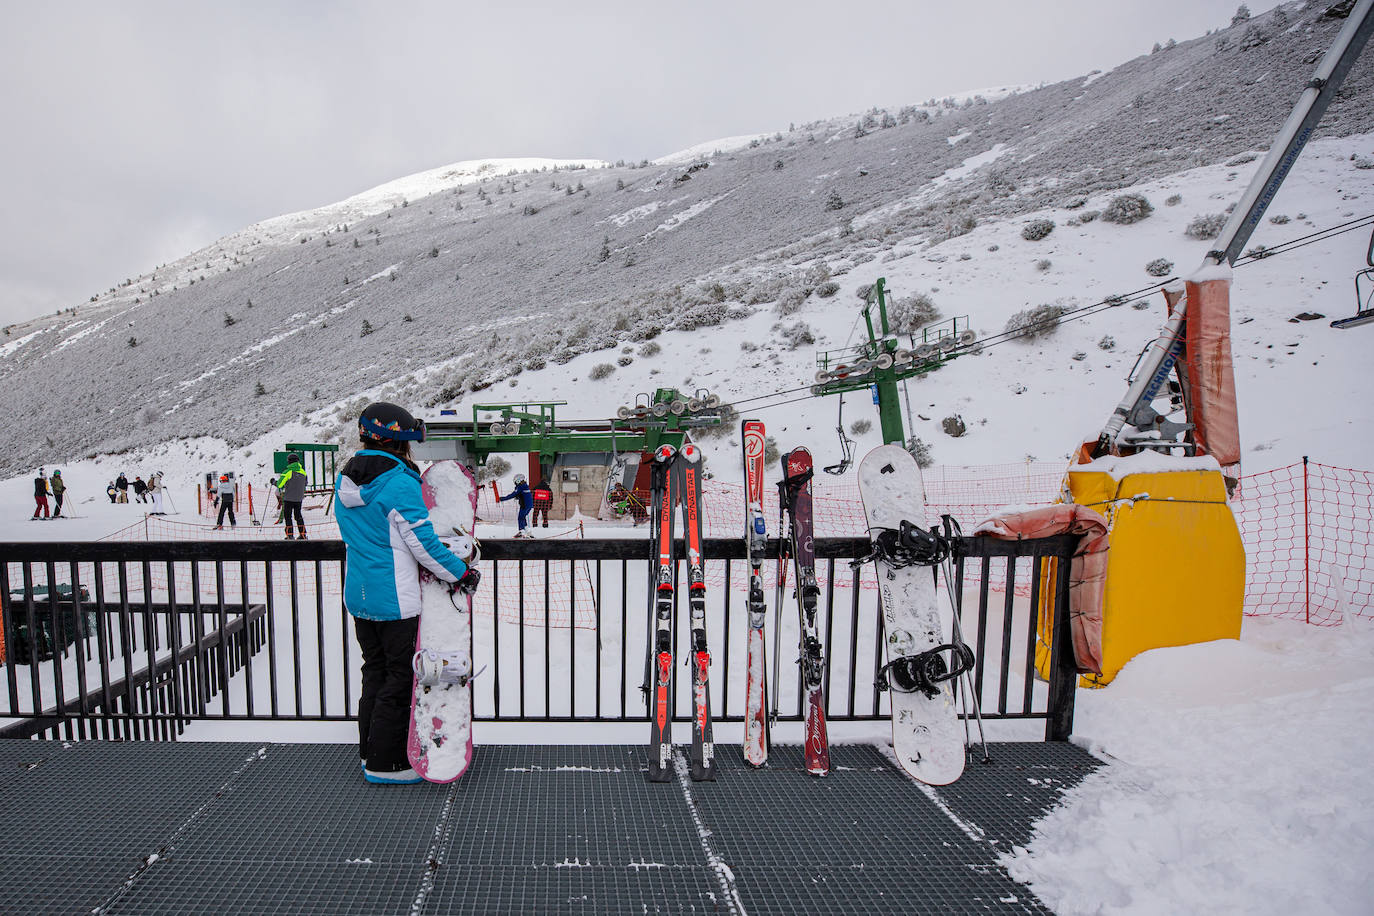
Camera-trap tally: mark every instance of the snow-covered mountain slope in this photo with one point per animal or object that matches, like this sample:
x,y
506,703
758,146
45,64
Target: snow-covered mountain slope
x,y
515,286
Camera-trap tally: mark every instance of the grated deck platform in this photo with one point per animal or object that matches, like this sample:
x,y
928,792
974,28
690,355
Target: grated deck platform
x,y
164,828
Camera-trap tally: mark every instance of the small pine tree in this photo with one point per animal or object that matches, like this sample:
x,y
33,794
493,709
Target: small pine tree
x,y
229,320
834,201
1242,14
133,341
367,328
259,390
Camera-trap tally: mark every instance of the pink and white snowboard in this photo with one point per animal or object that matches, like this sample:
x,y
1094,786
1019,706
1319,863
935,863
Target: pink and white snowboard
x,y
440,741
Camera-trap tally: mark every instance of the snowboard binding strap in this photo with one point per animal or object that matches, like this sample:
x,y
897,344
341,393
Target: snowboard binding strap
x,y
432,667
926,670
908,545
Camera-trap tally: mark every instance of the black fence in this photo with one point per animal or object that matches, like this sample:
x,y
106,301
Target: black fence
x,y
137,640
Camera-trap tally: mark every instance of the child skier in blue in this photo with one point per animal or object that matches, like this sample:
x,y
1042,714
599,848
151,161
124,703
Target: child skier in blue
x,y
388,536
526,497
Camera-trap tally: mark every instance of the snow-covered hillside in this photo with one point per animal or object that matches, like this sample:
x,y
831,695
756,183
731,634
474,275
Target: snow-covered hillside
x,y
484,285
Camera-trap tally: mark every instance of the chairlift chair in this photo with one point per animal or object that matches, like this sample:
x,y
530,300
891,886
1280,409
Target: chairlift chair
x,y
1364,294
846,446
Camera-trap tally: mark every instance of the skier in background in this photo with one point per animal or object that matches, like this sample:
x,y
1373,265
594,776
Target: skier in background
x,y
122,485
140,491
522,492
155,493
112,491
225,492
543,499
40,494
58,489
388,538
291,489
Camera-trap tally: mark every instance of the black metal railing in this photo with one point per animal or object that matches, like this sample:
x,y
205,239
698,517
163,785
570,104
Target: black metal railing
x,y
139,639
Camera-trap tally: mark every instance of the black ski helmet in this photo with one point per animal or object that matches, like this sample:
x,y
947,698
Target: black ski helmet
x,y
390,423
293,458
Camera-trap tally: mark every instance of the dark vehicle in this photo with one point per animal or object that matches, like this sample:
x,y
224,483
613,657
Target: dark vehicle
x,y
21,645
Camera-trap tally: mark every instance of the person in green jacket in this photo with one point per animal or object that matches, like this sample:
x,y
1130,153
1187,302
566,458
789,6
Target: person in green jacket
x,y
58,488
291,488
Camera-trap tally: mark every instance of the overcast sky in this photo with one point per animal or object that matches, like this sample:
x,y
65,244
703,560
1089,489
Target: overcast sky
x,y
137,132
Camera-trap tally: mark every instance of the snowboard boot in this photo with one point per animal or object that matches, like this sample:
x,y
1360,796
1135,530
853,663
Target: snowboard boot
x,y
406,777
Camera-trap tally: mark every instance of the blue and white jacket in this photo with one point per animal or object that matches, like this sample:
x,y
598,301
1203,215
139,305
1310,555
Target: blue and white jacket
x,y
387,531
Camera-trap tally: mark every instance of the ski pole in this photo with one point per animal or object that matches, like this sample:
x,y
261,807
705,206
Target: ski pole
x,y
780,591
951,532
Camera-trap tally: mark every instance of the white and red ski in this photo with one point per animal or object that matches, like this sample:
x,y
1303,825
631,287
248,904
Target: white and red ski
x,y
756,737
795,492
439,744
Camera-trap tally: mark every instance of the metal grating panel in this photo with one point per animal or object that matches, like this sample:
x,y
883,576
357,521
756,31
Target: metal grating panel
x,y
176,888
286,828
18,757
1024,781
308,803
483,889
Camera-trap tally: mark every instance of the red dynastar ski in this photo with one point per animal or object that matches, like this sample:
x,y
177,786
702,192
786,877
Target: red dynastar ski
x,y
687,474
660,681
756,738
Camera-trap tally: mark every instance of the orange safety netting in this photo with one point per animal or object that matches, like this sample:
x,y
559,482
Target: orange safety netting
x,y
1307,529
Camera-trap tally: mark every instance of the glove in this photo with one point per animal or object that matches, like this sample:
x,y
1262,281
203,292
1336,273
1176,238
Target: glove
x,y
468,582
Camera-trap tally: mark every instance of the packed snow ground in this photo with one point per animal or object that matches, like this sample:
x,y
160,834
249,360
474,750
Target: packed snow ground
x,y
1239,781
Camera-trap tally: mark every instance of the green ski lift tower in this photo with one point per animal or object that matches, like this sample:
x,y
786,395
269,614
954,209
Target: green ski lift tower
x,y
882,361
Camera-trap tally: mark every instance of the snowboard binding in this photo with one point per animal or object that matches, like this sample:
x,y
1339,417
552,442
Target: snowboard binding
x,y
907,545
463,545
926,671
433,668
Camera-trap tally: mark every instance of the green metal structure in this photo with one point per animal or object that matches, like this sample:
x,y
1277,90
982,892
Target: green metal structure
x,y
532,427
881,362
321,467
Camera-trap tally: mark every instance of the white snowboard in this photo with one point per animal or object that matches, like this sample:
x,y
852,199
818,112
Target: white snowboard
x,y
926,735
440,741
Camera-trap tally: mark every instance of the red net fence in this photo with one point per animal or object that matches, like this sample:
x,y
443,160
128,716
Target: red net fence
x,y
1307,530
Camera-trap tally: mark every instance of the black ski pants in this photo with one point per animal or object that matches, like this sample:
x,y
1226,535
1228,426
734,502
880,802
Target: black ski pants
x,y
292,510
384,706
226,505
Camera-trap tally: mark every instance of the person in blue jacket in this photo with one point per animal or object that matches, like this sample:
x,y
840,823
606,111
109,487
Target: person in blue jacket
x,y
522,493
388,537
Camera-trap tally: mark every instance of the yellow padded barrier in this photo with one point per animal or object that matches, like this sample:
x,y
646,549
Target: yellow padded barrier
x,y
1176,569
